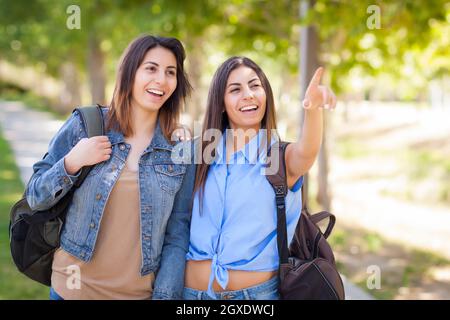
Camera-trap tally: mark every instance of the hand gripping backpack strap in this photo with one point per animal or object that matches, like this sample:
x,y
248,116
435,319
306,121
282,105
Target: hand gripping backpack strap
x,y
279,185
92,118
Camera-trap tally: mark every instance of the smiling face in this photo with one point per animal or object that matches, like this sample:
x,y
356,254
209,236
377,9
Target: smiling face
x,y
245,99
155,79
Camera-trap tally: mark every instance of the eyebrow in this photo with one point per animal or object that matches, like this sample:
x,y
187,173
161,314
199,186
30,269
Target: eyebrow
x,y
238,84
154,63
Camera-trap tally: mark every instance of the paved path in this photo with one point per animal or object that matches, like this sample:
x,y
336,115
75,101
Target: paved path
x,y
29,132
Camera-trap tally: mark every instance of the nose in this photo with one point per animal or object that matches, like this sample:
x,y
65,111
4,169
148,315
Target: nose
x,y
160,77
248,94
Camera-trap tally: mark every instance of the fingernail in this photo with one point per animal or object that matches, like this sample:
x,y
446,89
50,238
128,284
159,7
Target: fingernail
x,y
306,104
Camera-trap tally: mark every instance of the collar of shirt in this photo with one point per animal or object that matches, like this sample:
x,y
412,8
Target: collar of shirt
x,y
253,152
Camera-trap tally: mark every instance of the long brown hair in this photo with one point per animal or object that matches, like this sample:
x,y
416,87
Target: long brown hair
x,y
216,116
119,115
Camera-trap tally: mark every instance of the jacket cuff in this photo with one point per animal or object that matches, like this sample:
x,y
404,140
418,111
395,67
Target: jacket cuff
x,y
63,181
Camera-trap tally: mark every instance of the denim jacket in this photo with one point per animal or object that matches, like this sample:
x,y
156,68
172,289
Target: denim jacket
x,y
165,197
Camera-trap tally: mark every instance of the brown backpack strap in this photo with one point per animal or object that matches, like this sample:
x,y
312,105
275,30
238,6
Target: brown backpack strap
x,y
279,185
316,218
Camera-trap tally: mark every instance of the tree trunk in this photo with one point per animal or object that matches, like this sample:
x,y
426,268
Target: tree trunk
x,y
70,96
97,79
308,64
195,66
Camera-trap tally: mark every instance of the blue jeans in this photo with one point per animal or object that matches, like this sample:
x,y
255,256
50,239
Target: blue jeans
x,y
265,291
54,295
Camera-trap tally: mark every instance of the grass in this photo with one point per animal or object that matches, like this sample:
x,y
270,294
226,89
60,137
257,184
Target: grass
x,y
417,166
420,263
427,162
13,285
426,168
430,164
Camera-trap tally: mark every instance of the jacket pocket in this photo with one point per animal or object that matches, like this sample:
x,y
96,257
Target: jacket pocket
x,y
170,176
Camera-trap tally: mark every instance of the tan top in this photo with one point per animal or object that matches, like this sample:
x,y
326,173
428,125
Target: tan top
x,y
114,270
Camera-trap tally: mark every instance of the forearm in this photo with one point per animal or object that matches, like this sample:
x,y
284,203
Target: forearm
x,y
48,186
308,145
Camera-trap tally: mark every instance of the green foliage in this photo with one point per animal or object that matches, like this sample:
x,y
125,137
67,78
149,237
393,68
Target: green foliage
x,y
408,29
413,39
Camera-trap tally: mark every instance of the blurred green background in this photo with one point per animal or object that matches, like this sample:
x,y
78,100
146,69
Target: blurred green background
x,y
384,168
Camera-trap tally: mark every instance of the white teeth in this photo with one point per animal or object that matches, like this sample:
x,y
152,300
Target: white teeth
x,y
159,93
247,108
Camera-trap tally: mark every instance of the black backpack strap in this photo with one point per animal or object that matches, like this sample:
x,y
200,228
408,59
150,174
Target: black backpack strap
x,y
92,119
279,185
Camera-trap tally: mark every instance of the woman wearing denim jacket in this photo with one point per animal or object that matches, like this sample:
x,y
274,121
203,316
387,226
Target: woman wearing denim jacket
x,y
127,229
233,243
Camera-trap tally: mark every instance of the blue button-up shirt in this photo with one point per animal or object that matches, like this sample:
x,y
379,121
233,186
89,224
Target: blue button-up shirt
x,y
237,226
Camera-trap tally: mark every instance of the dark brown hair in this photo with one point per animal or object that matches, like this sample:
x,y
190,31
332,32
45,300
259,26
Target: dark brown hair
x,y
120,108
216,116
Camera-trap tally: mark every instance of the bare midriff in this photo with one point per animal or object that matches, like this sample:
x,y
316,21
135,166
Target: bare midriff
x,y
198,272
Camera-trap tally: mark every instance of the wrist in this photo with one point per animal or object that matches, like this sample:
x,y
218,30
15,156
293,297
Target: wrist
x,y
317,110
71,167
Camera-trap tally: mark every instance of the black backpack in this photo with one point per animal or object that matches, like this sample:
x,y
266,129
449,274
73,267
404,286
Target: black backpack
x,y
307,267
34,235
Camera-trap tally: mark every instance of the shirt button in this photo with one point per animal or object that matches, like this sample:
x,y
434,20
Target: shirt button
x,y
113,167
122,147
82,255
66,180
98,196
170,168
92,225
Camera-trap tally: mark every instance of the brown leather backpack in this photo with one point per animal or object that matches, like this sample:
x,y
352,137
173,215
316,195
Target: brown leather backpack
x,y
307,268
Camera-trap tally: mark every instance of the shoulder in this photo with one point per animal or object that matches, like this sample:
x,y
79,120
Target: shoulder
x,y
73,126
76,114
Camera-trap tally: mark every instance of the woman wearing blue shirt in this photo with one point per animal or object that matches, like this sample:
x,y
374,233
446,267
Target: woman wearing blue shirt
x,y
233,247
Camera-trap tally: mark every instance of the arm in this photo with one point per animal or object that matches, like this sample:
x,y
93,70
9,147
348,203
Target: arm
x,y
169,282
68,152
300,156
50,180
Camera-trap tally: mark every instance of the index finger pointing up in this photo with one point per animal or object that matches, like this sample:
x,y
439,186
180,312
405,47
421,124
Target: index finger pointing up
x,y
315,81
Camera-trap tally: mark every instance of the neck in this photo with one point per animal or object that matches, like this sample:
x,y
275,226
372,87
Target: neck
x,y
143,121
239,137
